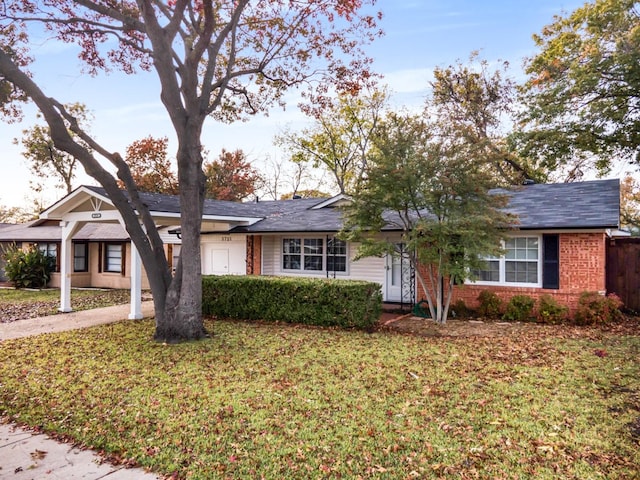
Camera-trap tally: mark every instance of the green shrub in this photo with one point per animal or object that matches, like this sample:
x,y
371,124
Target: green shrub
x,y
28,269
519,308
594,308
344,303
461,310
490,304
550,311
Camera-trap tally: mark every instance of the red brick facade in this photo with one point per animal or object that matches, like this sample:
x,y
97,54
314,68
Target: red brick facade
x,y
254,255
581,268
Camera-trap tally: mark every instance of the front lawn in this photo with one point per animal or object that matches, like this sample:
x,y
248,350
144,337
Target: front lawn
x,y
17,304
280,401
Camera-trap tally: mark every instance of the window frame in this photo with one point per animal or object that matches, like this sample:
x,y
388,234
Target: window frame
x,y
502,262
105,257
47,245
85,257
301,246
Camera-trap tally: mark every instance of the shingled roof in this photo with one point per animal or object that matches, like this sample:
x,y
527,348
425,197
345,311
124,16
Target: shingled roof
x,y
579,205
592,204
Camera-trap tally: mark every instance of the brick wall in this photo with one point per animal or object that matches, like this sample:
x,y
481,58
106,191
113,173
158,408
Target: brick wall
x,y
254,254
582,268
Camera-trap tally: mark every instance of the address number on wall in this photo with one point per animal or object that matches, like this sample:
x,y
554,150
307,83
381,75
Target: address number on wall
x,y
226,239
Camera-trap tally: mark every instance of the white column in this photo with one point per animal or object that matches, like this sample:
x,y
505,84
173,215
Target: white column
x,y
66,264
136,284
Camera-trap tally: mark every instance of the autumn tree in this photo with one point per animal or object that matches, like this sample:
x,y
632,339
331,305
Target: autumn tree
x,y
230,177
223,59
282,179
339,138
581,97
47,162
630,204
427,186
305,193
151,169
477,104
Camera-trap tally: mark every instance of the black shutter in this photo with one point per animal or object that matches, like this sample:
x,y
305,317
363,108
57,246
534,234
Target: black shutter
x,y
551,261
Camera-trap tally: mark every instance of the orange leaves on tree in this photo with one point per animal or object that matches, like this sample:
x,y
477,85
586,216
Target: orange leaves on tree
x,y
150,167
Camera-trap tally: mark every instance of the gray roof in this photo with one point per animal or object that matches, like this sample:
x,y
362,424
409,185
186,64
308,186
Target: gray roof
x,y
158,202
592,204
580,205
35,232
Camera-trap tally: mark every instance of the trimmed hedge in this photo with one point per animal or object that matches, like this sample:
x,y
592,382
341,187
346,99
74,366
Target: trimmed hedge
x,y
323,302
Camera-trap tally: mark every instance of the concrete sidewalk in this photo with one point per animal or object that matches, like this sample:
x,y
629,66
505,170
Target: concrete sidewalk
x,y
69,321
28,456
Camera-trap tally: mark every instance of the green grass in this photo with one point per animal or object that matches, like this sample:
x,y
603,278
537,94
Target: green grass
x,y
279,401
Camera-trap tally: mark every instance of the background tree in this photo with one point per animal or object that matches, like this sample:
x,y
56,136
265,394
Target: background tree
x,y
430,188
305,193
630,204
231,177
224,59
477,105
581,98
290,177
339,139
47,162
151,169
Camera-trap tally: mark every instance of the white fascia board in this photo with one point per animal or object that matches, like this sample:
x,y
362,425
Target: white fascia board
x,y
211,218
327,203
101,216
71,201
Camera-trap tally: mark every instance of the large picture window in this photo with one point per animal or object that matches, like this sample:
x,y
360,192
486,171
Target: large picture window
x,y
520,265
310,255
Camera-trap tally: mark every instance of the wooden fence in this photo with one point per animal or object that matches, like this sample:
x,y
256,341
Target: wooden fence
x,y
623,270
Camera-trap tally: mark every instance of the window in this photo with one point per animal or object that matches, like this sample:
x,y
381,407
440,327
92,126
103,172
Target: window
x,y
292,254
336,255
521,260
520,265
113,257
310,255
313,254
80,257
50,249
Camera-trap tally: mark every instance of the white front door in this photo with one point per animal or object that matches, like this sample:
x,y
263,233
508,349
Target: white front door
x,y
397,266
220,261
394,279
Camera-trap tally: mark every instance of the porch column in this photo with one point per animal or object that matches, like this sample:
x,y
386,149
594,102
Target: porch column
x,y
66,263
136,284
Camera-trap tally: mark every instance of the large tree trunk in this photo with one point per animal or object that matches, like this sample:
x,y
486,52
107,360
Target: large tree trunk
x,y
182,317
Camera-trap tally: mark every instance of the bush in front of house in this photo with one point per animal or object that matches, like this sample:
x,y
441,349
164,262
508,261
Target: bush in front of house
x,y
594,308
490,304
28,269
461,310
519,308
323,302
550,311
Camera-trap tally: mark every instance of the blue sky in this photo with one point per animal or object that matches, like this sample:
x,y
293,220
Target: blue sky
x,y
420,35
